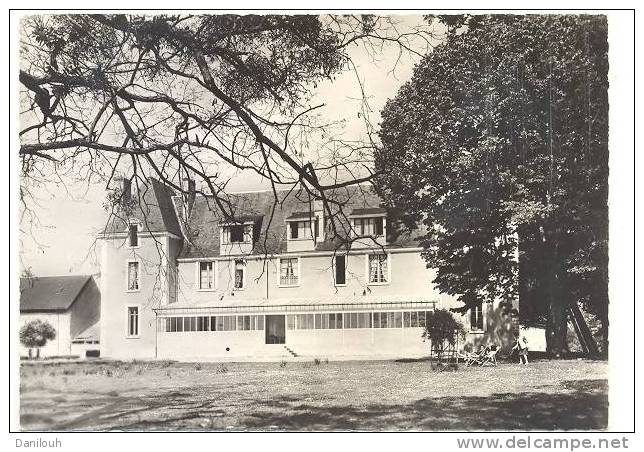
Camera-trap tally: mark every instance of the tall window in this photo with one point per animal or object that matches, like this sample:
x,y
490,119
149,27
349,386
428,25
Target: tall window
x,y
369,226
289,272
133,235
340,270
206,275
132,321
133,276
240,268
476,317
378,271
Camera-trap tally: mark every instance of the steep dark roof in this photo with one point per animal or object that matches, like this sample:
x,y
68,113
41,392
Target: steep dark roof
x,y
202,228
50,293
164,196
153,208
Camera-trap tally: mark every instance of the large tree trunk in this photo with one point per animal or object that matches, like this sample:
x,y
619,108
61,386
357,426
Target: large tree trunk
x,y
556,339
557,325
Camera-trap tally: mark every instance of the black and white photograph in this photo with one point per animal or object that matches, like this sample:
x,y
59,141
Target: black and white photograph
x,y
322,221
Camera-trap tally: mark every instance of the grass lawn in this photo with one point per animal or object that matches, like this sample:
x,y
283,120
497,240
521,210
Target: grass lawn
x,y
371,395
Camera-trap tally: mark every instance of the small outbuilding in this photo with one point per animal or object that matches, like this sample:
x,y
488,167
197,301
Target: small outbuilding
x,y
71,305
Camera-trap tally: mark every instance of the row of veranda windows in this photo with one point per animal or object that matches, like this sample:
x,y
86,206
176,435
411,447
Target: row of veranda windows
x,y
289,272
351,320
325,321
212,323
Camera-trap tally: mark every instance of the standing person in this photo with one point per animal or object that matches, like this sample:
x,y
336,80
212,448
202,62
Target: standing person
x,y
521,346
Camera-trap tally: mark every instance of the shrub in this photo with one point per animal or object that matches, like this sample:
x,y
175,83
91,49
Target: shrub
x,y
198,366
283,364
317,361
221,369
442,330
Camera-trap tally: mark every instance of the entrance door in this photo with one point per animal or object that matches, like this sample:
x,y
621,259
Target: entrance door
x,y
275,329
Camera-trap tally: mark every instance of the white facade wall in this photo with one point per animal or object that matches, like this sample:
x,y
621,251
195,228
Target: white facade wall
x,y
61,345
408,277
156,265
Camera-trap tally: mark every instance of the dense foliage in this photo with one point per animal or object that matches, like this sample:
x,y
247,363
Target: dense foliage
x,y
499,145
36,334
442,330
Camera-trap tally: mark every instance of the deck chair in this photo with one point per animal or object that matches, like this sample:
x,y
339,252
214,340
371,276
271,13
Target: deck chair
x,y
490,356
473,358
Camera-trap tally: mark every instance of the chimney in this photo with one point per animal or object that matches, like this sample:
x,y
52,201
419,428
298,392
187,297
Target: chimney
x,y
189,196
125,186
318,212
127,190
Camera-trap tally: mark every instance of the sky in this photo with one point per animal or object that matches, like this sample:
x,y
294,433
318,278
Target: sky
x,y
69,217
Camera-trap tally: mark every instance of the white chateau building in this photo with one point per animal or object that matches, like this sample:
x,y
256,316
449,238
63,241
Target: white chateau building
x,y
181,282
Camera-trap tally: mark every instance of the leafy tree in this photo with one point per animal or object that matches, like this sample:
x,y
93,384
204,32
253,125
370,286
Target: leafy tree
x,y
442,330
36,334
498,145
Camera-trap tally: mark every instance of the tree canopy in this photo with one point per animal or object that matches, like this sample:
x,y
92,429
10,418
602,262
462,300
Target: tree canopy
x,y
499,145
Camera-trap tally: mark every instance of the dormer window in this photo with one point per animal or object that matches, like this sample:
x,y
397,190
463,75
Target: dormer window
x,y
133,235
369,222
369,226
237,233
303,226
304,229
